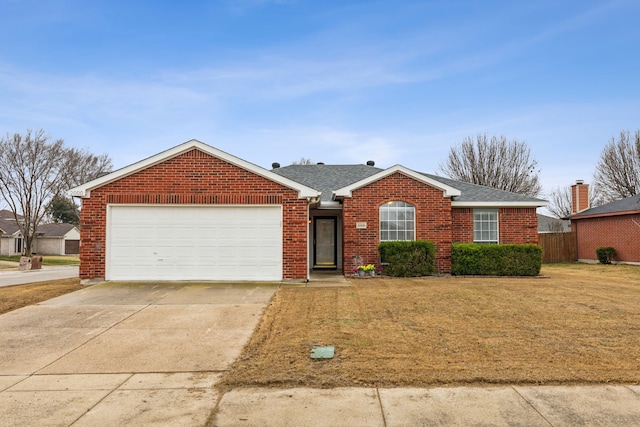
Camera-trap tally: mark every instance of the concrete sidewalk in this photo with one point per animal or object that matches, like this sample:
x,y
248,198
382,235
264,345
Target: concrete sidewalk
x,y
11,277
457,406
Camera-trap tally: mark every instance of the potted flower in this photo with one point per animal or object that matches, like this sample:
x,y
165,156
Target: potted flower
x,y
370,269
361,270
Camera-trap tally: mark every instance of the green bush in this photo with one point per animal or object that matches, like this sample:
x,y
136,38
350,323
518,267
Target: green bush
x,y
605,254
408,259
496,260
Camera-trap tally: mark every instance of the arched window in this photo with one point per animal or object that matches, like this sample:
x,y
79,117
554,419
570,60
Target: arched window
x,y
397,221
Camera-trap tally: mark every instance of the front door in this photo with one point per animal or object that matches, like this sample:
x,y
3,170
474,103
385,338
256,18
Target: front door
x,y
324,242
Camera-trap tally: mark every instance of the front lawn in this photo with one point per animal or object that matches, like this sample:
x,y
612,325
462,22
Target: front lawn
x,y
579,325
18,296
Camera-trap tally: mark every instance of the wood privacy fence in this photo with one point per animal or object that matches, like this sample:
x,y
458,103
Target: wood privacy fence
x,y
558,247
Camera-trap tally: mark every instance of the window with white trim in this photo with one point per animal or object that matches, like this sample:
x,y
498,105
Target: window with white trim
x,y
18,245
485,226
397,221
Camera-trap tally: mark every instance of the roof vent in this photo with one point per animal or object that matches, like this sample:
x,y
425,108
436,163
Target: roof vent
x,y
321,163
275,165
371,163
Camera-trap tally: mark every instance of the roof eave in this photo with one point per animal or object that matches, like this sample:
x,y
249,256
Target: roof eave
x,y
604,214
497,204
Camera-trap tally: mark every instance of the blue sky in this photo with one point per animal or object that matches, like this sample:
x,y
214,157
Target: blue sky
x,y
335,81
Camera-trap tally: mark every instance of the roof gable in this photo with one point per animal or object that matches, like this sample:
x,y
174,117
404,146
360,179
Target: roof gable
x,y
84,190
9,227
448,191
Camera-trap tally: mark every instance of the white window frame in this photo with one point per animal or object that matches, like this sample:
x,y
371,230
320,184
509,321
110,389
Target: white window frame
x,y
482,230
396,209
18,245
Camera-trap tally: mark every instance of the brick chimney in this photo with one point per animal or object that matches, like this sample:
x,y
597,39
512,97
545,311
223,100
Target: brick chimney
x,y
579,197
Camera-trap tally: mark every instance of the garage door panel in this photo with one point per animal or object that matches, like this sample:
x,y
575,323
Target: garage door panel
x,y
194,243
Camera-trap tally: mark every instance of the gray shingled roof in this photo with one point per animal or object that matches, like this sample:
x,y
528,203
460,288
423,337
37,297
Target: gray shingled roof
x,y
550,224
623,205
328,178
480,193
8,223
54,230
9,226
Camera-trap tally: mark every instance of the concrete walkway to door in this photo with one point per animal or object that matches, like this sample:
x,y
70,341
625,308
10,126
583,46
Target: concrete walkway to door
x,y
124,354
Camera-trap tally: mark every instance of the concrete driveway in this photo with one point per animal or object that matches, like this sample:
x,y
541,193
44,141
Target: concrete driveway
x,y
124,354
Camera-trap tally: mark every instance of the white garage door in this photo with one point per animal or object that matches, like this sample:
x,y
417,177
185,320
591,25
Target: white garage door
x,y
194,243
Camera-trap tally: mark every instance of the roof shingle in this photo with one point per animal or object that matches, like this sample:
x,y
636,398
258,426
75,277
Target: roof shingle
x,y
328,178
623,205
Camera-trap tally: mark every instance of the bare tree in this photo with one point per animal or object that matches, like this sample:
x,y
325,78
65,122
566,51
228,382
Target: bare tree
x,y
81,166
555,226
303,161
33,171
560,202
617,173
497,163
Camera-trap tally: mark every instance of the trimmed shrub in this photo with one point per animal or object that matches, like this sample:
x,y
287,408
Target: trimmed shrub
x,y
605,254
408,259
496,260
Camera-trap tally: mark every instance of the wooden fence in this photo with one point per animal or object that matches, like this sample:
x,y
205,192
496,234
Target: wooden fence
x,y
558,247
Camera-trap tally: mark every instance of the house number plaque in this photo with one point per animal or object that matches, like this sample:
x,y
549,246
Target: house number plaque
x,y
361,225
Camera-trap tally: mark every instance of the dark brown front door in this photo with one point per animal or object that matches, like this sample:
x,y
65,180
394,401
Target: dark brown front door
x,y
324,242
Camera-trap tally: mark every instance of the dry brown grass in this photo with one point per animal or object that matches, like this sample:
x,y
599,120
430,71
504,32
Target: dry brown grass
x,y
579,325
18,296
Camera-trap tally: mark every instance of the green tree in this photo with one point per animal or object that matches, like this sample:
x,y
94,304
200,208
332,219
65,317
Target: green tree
x,y
63,210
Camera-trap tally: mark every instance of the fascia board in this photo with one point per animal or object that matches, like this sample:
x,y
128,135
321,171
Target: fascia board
x,y
533,204
348,190
85,189
604,214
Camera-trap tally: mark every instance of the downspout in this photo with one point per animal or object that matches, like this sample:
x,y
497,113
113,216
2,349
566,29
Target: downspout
x,y
577,247
308,235
310,201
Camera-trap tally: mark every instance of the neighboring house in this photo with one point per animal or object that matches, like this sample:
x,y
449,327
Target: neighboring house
x,y
548,224
57,239
197,213
616,224
10,237
51,239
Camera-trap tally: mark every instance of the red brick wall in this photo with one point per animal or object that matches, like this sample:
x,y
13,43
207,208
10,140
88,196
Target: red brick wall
x,y
515,225
433,218
518,225
193,178
462,225
622,232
